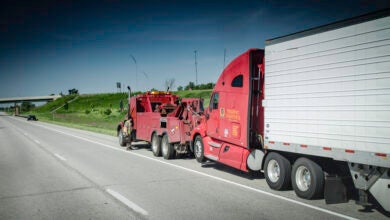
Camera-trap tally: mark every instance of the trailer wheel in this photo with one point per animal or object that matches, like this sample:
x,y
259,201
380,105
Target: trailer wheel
x,y
167,148
307,179
156,145
277,171
199,149
121,139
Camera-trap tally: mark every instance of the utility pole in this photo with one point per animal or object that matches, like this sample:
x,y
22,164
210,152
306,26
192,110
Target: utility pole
x,y
196,69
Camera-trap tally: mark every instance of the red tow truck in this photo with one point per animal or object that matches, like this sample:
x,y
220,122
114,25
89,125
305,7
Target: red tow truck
x,y
162,119
311,111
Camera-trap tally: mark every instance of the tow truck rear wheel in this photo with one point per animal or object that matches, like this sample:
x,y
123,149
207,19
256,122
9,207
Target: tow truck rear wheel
x,y
121,139
199,149
277,171
167,148
307,179
156,145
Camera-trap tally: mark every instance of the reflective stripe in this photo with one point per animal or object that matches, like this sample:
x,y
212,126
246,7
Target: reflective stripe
x,y
381,155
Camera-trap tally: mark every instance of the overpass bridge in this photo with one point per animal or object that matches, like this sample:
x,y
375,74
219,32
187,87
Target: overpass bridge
x,y
29,99
17,100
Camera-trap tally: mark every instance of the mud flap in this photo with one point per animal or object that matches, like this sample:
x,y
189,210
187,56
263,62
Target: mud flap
x,y
335,190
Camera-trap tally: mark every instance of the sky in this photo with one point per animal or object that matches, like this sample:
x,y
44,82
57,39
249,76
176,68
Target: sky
x,y
49,47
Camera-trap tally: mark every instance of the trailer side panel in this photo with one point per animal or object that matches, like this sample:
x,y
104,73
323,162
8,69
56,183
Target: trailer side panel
x,y
328,94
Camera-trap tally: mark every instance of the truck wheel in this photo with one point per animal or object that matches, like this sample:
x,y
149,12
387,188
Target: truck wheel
x,y
199,149
167,148
307,179
121,139
277,171
156,145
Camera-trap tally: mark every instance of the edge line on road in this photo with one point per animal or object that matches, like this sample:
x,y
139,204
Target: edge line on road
x,y
208,175
60,157
127,202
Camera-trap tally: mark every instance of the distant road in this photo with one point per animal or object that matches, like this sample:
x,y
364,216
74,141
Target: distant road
x,y
52,172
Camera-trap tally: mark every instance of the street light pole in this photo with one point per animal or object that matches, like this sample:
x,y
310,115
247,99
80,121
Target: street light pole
x,y
136,72
224,58
196,69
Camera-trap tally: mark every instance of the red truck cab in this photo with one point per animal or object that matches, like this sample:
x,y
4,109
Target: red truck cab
x,y
224,135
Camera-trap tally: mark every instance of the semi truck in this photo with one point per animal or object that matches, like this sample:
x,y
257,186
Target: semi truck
x,y
311,111
163,120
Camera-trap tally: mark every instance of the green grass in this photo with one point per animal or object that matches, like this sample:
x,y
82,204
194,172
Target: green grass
x,y
205,94
50,106
95,105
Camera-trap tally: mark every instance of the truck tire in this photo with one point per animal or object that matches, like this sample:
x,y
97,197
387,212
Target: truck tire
x,y
277,171
167,148
121,139
307,179
156,145
199,149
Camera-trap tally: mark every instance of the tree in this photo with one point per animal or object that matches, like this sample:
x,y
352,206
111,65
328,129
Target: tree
x,y
191,85
66,106
73,91
169,84
180,88
27,106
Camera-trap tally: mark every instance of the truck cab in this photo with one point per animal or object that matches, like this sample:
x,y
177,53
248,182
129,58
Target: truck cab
x,y
225,136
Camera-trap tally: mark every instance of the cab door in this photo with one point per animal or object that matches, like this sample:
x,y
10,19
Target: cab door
x,y
213,119
213,144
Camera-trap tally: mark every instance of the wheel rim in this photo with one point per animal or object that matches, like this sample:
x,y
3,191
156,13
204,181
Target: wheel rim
x,y
198,149
154,143
303,178
164,146
273,171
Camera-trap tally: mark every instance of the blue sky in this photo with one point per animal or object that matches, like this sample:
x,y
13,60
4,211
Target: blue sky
x,y
48,47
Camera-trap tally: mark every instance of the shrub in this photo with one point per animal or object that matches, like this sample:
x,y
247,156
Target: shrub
x,y
87,111
107,111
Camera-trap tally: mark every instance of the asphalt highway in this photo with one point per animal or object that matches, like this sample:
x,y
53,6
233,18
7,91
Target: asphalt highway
x,y
53,172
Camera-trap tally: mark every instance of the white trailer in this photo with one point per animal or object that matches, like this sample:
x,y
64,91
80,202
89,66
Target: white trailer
x,y
327,104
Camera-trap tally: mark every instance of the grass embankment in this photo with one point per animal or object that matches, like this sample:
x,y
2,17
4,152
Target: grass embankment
x,y
89,112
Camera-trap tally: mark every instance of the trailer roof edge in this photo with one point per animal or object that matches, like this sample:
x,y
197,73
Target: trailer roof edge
x,y
331,26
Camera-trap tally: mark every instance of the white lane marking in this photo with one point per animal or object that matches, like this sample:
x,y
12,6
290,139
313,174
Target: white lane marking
x,y
127,202
36,141
210,176
60,157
